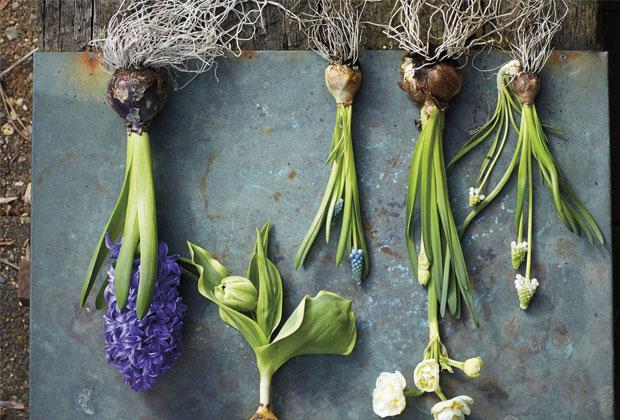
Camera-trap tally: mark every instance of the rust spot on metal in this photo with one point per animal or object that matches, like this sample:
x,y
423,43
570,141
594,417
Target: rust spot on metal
x,y
494,390
264,131
369,228
562,57
561,337
292,174
565,248
276,196
90,63
510,328
67,157
203,180
388,251
393,161
248,55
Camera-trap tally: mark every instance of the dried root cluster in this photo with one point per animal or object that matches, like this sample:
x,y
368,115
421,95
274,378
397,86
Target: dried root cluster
x,y
334,29
534,26
442,30
186,36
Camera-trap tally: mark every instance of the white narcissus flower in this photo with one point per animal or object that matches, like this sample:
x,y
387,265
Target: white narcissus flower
x,y
388,398
455,409
426,375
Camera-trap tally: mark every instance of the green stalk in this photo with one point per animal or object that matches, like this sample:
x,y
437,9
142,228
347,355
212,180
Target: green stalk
x,y
342,185
440,238
147,222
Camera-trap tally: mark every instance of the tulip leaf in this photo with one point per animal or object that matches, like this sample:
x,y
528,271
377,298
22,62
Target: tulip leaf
x,y
324,324
269,307
210,271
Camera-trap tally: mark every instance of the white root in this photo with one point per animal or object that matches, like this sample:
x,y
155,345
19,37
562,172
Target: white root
x,y
449,30
535,25
184,35
334,29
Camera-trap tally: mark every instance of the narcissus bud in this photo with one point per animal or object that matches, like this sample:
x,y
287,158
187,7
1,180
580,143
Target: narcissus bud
x,y
472,367
237,293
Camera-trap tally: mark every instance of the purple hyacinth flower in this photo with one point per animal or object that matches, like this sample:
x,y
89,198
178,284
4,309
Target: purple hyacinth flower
x,y
144,349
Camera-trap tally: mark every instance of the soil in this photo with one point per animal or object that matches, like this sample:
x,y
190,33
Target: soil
x,y
18,31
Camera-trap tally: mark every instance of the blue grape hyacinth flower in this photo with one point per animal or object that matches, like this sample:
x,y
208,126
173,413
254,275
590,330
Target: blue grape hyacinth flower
x,y
356,258
144,349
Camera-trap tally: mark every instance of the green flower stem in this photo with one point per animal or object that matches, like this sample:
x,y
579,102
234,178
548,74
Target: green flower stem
x,y
530,221
413,393
433,321
440,238
342,184
264,389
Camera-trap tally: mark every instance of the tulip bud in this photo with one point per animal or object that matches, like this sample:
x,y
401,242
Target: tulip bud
x,y
237,293
472,367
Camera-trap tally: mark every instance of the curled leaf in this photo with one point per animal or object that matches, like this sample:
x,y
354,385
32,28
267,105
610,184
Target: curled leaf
x,y
324,324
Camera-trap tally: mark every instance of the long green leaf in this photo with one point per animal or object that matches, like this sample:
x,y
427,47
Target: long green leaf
x,y
269,307
127,253
113,227
147,223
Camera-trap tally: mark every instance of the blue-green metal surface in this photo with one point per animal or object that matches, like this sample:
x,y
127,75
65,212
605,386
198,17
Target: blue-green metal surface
x,y
232,154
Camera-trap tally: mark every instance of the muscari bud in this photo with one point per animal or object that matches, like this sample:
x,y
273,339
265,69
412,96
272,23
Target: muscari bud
x,y
237,293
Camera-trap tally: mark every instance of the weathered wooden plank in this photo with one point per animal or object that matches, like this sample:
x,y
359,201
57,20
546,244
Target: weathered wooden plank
x,y
68,25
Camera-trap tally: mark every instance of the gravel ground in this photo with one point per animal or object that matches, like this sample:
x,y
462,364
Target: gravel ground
x,y
17,38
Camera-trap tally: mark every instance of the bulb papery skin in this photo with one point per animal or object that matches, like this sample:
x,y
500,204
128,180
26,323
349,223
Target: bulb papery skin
x,y
137,95
264,413
436,83
508,71
526,86
343,82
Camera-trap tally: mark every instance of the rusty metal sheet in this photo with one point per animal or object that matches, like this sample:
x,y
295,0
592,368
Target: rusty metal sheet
x,y
232,154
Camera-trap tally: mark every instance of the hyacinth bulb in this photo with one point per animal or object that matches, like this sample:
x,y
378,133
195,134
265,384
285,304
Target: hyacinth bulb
x,y
144,349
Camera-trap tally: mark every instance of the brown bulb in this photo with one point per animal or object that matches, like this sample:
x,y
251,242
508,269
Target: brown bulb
x,y
443,83
343,82
137,95
526,86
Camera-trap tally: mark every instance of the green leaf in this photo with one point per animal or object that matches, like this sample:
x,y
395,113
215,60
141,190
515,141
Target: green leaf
x,y
113,226
210,271
324,324
269,308
100,302
127,253
147,222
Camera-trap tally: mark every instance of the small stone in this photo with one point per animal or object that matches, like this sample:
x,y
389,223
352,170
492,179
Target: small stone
x,y
10,33
7,129
19,183
2,279
19,102
15,5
